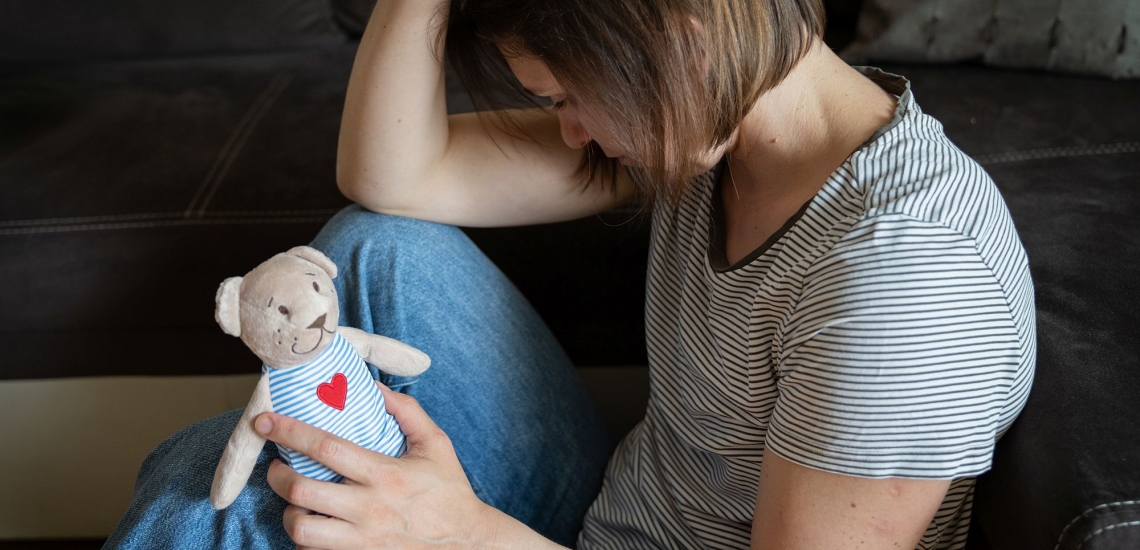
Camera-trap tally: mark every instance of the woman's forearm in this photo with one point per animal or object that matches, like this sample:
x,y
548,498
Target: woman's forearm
x,y
394,127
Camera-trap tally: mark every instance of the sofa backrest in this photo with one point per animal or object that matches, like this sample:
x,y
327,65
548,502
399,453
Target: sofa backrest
x,y
841,17
51,30
41,30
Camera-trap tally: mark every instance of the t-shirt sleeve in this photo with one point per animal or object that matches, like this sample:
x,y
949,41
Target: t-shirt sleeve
x,y
898,359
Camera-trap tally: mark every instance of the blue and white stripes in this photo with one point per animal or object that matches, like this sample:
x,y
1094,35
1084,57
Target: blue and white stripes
x,y
362,418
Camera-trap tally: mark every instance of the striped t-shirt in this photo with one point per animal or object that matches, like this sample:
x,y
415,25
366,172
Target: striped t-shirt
x,y
335,393
886,331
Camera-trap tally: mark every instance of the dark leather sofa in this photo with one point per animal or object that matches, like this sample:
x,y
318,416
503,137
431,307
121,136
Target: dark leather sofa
x,y
149,151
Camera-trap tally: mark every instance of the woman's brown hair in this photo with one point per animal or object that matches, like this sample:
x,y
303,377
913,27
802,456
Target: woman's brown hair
x,y
670,90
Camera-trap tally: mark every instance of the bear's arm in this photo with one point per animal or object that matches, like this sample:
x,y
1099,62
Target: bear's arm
x,y
241,452
391,356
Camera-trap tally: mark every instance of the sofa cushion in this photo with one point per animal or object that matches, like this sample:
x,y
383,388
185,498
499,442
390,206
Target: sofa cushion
x,y
128,195
841,18
37,30
134,188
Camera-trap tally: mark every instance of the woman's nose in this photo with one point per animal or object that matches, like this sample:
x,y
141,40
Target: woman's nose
x,y
572,132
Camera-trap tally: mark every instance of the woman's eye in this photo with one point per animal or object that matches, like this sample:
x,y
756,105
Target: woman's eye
x,y
559,105
316,287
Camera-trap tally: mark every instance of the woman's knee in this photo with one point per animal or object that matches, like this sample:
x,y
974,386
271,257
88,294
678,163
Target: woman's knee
x,y
354,233
395,272
170,507
192,451
184,465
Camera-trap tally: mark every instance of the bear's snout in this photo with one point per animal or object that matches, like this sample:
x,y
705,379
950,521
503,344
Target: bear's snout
x,y
319,322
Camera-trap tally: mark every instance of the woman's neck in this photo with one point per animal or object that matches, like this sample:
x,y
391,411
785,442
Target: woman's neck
x,y
792,140
806,126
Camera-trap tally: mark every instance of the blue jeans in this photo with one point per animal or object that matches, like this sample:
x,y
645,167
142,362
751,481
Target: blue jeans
x,y
527,433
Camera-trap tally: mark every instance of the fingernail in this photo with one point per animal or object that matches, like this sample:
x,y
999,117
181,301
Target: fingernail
x,y
263,424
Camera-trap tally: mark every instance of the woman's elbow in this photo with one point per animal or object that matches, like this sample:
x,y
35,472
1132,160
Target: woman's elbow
x,y
349,187
353,184
370,195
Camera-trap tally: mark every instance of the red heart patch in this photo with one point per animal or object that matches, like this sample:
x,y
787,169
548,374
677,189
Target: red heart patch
x,y
334,393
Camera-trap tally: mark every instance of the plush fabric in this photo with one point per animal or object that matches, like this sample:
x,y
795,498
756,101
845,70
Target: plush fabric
x,y
289,317
36,30
1078,36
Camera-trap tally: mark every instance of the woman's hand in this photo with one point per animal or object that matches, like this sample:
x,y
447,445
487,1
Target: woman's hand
x,y
420,500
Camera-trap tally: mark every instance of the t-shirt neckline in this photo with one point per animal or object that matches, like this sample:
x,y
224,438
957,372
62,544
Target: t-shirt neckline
x,y
893,84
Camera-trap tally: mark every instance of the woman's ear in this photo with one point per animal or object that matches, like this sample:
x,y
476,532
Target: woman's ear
x,y
315,256
227,306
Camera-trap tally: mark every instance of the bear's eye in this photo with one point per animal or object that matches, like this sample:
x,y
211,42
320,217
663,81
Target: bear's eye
x,y
316,287
284,310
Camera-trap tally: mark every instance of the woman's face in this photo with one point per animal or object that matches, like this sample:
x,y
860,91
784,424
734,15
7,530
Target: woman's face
x,y
579,125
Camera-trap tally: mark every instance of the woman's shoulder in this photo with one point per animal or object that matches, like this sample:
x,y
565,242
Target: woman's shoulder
x,y
915,170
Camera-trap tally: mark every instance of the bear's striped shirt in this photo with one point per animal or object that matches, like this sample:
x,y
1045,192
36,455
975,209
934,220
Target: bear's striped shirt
x,y
361,417
886,331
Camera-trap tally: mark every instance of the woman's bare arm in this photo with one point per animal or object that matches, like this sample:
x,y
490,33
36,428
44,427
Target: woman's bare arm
x,y
798,508
400,153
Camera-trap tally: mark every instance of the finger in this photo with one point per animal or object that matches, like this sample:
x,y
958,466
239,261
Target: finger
x,y
344,457
291,509
327,498
424,436
313,531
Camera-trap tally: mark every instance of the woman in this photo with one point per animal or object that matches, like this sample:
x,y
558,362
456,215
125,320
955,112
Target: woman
x,y
839,313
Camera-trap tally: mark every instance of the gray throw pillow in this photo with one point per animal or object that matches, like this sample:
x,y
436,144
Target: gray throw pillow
x,y
1099,37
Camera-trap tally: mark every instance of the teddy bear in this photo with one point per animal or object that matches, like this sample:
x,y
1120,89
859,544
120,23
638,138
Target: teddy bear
x,y
286,312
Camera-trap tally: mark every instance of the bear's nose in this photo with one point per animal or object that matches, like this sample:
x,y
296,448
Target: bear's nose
x,y
319,322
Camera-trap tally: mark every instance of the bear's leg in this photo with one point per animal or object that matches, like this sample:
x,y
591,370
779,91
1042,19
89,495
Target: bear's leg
x,y
523,425
171,509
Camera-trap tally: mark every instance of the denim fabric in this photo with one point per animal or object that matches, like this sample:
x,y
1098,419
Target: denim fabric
x,y
524,428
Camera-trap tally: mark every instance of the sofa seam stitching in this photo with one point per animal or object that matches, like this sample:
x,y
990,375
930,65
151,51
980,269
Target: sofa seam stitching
x,y
156,219
235,143
1059,152
1105,506
180,222
1104,530
73,220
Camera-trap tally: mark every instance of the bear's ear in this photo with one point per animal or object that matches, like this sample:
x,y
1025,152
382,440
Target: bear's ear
x,y
316,256
228,306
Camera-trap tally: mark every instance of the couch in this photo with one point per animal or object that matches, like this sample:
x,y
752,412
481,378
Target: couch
x,y
149,150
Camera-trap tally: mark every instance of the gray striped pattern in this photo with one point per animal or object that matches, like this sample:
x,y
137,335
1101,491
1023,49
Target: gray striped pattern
x,y
889,332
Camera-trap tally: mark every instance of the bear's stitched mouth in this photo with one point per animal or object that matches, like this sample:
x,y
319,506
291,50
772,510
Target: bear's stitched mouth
x,y
322,330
